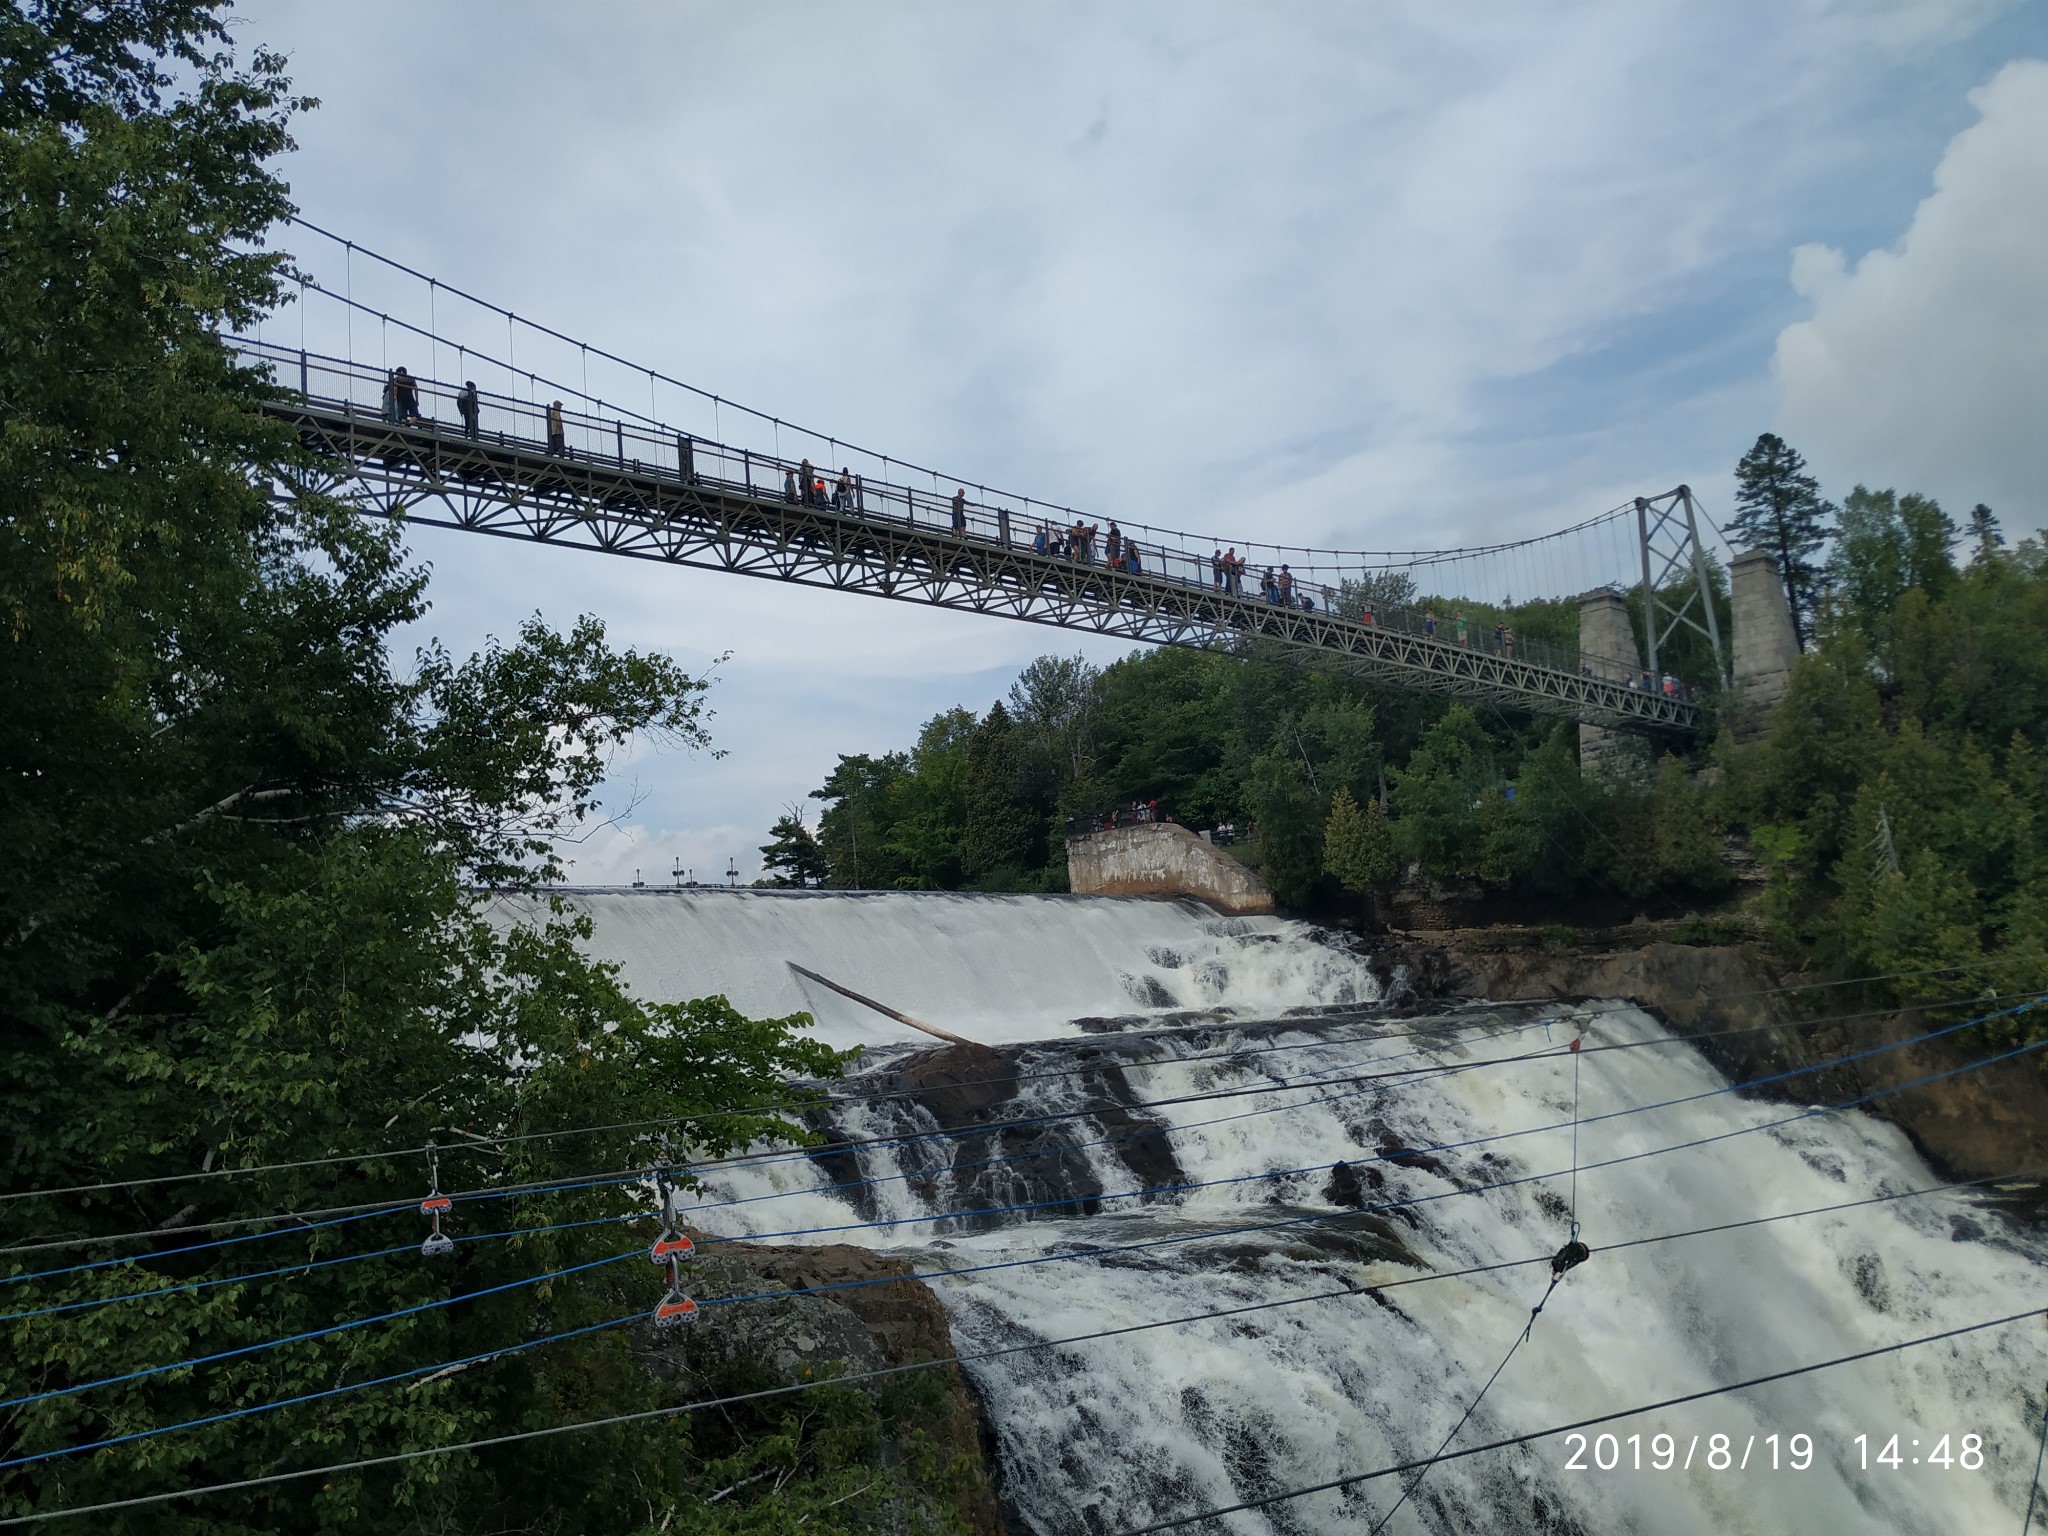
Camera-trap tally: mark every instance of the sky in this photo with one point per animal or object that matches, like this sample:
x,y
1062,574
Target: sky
x,y
1367,275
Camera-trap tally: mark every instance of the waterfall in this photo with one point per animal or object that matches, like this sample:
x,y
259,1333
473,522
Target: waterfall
x,y
1053,1140
997,969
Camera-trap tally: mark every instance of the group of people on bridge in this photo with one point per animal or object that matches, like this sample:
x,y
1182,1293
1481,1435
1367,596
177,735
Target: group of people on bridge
x,y
804,486
1119,553
402,408
808,485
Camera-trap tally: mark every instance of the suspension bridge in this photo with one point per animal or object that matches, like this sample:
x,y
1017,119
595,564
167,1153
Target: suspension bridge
x,y
549,462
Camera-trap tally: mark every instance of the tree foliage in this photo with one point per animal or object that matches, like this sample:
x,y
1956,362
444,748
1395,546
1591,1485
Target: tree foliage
x,y
1358,848
247,953
793,858
1779,509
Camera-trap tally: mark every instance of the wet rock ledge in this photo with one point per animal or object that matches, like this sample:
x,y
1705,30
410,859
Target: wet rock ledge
x,y
834,1319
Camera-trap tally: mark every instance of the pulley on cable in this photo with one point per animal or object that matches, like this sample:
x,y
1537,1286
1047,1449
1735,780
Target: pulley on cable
x,y
670,1249
434,1207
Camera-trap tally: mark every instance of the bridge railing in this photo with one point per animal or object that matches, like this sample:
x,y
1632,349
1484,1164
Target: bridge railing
x,y
642,446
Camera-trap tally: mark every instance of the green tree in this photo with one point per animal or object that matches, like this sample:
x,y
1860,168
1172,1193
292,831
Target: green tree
x,y
1288,815
1888,545
1779,509
793,857
1985,539
1358,847
242,921
863,798
1054,699
1682,840
1004,833
1441,794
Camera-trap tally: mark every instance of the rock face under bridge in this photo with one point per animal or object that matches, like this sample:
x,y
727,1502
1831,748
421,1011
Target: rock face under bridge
x,y
1160,859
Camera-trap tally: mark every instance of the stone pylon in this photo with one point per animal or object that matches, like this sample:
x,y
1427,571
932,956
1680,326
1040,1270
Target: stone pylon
x,y
1764,644
1607,649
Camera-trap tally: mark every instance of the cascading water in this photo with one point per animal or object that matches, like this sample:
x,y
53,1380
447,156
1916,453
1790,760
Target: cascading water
x,y
1056,1142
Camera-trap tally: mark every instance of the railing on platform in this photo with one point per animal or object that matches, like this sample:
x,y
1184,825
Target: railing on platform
x,y
642,446
1108,821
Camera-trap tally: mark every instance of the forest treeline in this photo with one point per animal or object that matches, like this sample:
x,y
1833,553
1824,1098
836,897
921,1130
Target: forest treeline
x,y
1898,798
253,948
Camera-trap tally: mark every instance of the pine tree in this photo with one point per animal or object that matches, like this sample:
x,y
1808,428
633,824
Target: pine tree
x,y
1001,833
1779,509
1358,846
794,858
1984,531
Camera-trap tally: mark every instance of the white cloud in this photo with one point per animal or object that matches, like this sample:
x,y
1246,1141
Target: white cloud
x,y
1403,275
1925,365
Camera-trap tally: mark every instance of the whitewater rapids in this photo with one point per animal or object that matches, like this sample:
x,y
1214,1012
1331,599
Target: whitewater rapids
x,y
1120,1432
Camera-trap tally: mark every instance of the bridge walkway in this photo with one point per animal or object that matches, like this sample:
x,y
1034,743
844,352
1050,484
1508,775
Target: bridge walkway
x,y
666,496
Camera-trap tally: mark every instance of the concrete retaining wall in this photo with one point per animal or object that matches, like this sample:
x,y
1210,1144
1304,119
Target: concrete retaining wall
x,y
1159,859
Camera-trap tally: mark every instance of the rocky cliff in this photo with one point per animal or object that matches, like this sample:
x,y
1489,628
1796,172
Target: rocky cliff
x,y
844,1312
1992,1120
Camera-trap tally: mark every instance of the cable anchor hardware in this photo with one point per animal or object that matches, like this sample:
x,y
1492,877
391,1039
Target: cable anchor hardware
x,y
1568,1258
671,1249
434,1207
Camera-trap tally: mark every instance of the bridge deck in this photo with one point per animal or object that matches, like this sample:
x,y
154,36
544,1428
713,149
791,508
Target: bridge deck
x,y
684,514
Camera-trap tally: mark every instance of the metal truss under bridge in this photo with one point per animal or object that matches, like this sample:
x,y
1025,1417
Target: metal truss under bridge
x,y
658,495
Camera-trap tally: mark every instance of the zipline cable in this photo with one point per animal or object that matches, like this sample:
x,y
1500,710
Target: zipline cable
x,y
951,1168
1589,1423
824,1101
480,1143
367,1210
1146,1245
549,1431
1562,1263
2034,1487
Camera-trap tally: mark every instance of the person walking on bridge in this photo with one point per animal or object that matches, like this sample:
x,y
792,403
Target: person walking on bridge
x,y
789,492
960,512
408,396
468,407
842,493
558,437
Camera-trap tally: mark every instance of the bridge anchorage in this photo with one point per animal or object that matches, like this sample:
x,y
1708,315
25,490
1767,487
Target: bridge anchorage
x,y
594,475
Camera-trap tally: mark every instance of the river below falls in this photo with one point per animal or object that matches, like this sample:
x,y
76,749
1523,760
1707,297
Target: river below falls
x,y
1367,1197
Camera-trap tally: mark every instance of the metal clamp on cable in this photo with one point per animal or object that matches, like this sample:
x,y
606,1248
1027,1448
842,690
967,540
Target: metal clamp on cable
x,y
1568,1258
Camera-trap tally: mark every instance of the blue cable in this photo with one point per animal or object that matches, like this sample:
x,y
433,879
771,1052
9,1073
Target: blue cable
x,y
219,1242
1304,1079
1089,1252
202,1285
611,1180
325,1392
1024,1206
315,1333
